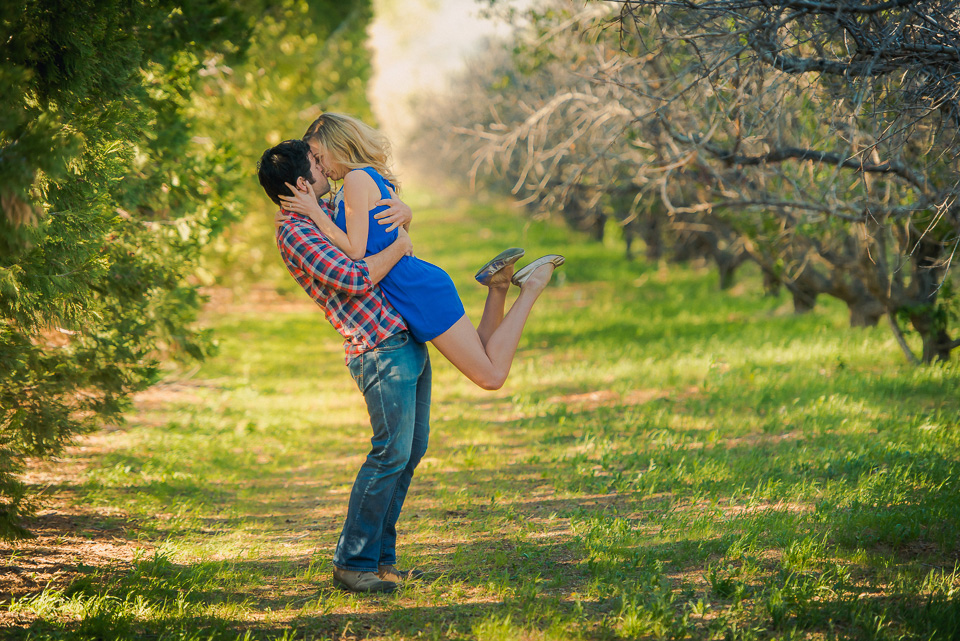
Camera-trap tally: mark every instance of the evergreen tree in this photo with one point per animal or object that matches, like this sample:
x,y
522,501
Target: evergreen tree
x,y
109,194
304,58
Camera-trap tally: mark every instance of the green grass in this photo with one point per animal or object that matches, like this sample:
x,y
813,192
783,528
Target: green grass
x,y
665,462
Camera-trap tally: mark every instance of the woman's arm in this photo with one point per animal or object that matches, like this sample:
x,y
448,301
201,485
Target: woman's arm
x,y
305,202
359,194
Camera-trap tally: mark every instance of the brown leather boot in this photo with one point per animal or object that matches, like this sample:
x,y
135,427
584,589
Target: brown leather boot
x,y
362,581
391,573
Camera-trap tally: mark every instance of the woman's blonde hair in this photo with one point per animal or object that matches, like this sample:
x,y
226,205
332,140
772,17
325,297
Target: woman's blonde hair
x,y
352,143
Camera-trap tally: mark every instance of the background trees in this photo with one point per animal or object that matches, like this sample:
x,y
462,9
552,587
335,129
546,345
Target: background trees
x,y
816,139
125,138
303,57
840,119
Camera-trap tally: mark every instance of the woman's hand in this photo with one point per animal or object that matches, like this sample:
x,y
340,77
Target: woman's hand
x,y
302,202
306,203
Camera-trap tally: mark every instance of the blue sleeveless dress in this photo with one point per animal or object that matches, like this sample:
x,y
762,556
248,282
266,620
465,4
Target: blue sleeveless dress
x,y
421,292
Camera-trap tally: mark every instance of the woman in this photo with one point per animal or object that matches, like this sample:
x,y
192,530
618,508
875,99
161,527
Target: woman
x,y
349,150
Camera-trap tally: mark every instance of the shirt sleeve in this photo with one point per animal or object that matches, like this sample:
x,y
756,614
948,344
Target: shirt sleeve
x,y
304,247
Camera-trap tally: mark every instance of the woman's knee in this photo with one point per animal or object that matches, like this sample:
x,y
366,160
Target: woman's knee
x,y
492,385
489,380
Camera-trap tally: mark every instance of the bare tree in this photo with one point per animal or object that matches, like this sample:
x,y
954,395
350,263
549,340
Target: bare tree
x,y
816,138
867,187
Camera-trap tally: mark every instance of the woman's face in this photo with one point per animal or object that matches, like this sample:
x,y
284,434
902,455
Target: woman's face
x,y
330,168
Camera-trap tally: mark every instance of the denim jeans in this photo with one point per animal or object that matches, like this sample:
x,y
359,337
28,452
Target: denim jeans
x,y
395,381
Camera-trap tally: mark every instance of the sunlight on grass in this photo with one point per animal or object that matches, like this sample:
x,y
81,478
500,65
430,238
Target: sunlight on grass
x,y
665,461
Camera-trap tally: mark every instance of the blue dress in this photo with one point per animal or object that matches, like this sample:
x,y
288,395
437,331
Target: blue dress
x,y
421,292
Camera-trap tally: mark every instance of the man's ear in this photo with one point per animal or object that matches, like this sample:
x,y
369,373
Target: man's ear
x,y
302,184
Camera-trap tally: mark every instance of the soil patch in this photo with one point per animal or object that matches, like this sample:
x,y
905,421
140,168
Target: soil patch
x,y
68,542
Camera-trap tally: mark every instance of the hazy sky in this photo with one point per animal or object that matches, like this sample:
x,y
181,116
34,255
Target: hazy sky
x,y
415,44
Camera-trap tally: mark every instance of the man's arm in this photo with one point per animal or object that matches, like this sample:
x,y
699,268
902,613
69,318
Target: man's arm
x,y
380,264
397,214
303,246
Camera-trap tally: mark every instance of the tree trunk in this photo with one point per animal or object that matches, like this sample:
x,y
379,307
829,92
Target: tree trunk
x,y
805,287
865,313
771,284
651,231
727,263
597,226
937,344
897,334
803,301
939,348
927,318
687,246
865,309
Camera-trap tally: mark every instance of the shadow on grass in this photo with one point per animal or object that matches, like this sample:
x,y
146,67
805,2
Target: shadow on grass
x,y
174,597
627,491
436,622
880,490
625,523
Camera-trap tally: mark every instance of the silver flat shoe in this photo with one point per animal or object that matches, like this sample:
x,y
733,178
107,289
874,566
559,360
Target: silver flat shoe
x,y
521,276
501,260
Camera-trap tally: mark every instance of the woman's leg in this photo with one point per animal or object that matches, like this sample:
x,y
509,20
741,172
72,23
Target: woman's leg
x,y
488,363
494,305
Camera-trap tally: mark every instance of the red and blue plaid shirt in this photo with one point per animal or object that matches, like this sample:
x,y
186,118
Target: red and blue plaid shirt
x,y
352,303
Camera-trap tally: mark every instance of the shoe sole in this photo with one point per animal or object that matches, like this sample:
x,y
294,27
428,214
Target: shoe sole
x,y
521,276
501,260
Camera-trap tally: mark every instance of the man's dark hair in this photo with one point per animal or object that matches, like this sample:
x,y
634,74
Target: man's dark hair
x,y
283,164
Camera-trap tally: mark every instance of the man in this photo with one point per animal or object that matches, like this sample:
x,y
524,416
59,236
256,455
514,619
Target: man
x,y
376,342
390,368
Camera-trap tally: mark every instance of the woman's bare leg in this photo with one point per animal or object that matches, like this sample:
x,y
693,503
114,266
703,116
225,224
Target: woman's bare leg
x,y
487,364
494,305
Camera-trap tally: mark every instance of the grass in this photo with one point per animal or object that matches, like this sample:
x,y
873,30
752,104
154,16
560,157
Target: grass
x,y
665,462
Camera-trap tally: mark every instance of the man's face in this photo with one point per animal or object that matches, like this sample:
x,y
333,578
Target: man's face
x,y
321,186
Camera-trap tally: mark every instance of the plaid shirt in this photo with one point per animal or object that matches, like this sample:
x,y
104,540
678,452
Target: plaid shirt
x,y
354,306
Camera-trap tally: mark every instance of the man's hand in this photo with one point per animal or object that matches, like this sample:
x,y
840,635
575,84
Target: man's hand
x,y
404,242
398,213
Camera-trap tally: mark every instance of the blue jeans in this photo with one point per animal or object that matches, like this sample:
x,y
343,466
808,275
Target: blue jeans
x,y
395,380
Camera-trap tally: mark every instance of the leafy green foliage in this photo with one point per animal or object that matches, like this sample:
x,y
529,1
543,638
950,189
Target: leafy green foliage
x,y
304,58
118,172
